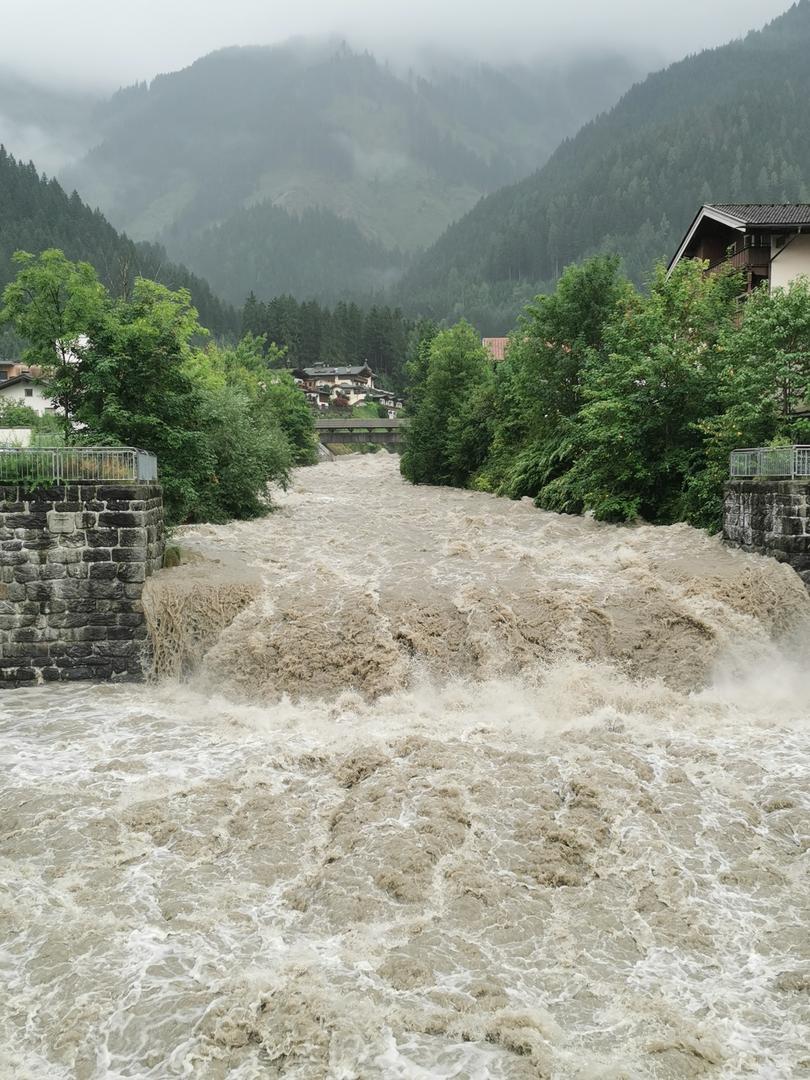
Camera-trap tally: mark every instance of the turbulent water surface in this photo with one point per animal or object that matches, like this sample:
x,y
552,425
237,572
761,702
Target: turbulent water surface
x,y
466,790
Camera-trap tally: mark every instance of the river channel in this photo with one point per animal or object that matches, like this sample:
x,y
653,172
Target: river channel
x,y
467,790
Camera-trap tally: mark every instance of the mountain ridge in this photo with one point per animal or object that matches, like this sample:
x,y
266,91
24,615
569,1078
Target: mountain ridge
x,y
726,124
36,213
332,129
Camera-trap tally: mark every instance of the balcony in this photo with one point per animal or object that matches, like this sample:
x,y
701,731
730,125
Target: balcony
x,y
751,254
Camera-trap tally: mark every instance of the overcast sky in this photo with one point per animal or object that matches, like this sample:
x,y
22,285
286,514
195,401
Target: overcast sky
x,y
113,42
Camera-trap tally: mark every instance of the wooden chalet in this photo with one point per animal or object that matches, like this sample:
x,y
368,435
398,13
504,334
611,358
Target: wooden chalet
x,y
321,375
768,242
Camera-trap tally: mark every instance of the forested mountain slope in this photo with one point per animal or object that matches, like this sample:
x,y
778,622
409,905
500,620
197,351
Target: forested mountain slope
x,y
304,126
36,213
730,124
311,254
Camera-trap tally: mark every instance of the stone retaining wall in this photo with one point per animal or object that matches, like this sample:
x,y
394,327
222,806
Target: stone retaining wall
x,y
770,517
73,561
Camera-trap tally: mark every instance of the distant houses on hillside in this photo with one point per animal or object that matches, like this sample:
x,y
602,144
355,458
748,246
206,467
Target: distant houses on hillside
x,y
768,242
344,387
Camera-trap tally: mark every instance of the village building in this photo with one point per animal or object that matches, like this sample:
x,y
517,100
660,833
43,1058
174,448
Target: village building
x,y
9,369
389,400
343,387
321,375
319,397
351,393
768,242
24,389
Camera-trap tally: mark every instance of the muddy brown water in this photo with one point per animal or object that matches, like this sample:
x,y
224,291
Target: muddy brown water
x,y
464,790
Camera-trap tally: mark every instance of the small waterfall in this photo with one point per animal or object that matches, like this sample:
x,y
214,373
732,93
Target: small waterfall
x,y
187,608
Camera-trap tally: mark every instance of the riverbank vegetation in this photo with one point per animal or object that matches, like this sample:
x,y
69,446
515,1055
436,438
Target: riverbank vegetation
x,y
138,370
613,401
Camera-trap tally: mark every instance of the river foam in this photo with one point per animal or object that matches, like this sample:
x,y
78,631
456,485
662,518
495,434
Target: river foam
x,y
468,791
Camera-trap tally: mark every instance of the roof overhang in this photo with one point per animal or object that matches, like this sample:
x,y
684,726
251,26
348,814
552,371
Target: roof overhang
x,y
15,380
712,214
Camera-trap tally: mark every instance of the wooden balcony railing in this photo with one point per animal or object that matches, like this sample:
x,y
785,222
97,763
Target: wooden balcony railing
x,y
757,259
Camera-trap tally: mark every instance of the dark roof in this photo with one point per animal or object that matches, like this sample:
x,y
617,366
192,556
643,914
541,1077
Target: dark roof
x,y
766,213
25,377
742,216
314,372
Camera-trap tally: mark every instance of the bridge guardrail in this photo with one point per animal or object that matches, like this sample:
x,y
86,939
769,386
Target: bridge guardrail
x,y
786,462
359,423
71,464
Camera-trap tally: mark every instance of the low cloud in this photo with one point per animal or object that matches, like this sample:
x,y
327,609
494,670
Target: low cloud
x,y
96,43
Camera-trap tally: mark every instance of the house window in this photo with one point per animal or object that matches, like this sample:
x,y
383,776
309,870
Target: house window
x,y
29,393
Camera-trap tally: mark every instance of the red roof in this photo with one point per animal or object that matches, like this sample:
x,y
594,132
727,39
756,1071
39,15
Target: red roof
x,y
496,346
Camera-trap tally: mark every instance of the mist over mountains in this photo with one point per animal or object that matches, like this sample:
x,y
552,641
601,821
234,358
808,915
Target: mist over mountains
x,y
452,188
44,124
222,161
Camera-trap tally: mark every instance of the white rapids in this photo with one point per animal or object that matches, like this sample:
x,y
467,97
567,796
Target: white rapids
x,y
467,790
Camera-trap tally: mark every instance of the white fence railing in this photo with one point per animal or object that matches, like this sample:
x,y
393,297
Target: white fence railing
x,y
71,464
786,462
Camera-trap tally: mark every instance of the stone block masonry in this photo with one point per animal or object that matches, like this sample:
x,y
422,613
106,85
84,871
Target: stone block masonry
x,y
770,517
73,562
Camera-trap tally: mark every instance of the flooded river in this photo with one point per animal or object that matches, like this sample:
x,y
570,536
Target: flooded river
x,y
467,790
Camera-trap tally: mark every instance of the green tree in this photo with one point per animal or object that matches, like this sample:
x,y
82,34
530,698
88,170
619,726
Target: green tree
x,y
638,440
289,409
135,388
14,414
247,449
253,316
417,361
764,389
222,424
539,386
46,430
441,445
50,304
273,396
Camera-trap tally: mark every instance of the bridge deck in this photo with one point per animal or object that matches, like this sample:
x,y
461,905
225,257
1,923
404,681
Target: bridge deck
x,y
359,430
357,423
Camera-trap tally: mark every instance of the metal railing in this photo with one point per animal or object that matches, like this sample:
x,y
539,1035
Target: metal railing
x,y
70,464
775,461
